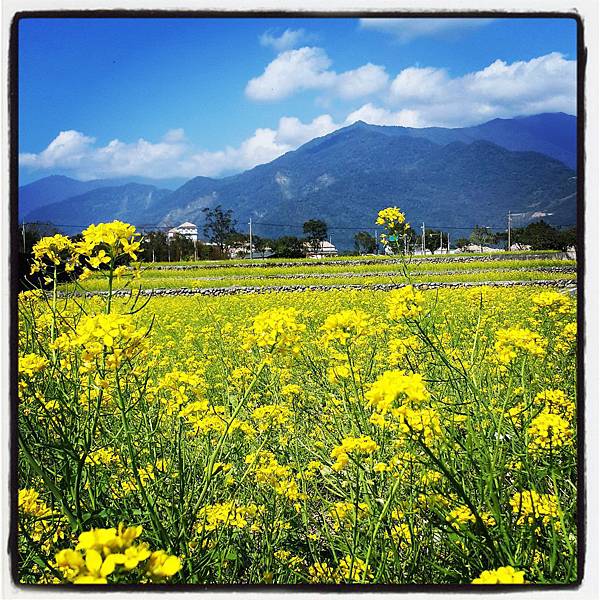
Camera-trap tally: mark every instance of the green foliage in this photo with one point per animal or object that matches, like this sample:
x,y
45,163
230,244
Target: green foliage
x,y
482,236
288,247
542,236
219,225
315,231
365,243
435,239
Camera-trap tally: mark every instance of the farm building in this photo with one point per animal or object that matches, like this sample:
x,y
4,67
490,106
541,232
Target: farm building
x,y
187,229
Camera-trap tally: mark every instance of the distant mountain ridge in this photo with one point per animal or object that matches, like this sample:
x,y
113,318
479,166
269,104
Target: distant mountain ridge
x,y
553,134
125,203
445,177
54,188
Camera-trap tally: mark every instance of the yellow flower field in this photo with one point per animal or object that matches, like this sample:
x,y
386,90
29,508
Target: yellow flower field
x,y
327,437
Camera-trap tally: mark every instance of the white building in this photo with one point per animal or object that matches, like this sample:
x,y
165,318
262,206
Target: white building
x,y
325,249
187,229
478,248
515,247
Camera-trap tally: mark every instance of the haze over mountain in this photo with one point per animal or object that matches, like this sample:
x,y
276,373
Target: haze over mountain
x,y
445,177
125,203
55,188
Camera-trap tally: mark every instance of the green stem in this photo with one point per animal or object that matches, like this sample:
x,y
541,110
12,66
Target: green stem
x,y
382,516
49,483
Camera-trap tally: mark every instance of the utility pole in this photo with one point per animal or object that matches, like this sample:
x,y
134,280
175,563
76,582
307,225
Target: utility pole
x,y
250,224
423,238
24,245
441,243
509,225
405,252
448,237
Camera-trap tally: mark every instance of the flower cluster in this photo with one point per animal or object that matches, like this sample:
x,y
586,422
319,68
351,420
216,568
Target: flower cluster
x,y
567,338
105,244
268,471
43,526
349,570
556,402
390,217
352,445
423,423
276,329
345,514
104,552
394,222
51,252
532,507
548,432
271,415
462,515
398,349
354,570
229,515
31,505
347,326
111,333
178,386
511,341
31,364
552,303
405,302
502,575
205,419
395,388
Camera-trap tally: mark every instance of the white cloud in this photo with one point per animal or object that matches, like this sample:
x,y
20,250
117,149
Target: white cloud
x,y
364,81
406,29
293,133
174,135
309,68
376,115
544,84
292,71
68,148
416,97
416,83
289,39
173,156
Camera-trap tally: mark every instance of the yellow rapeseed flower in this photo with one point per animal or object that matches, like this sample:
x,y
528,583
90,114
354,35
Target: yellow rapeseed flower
x,y
503,575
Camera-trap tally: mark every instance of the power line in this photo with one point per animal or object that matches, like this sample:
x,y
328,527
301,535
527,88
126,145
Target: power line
x,y
291,226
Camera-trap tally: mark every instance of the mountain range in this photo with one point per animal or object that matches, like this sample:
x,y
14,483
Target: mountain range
x,y
448,178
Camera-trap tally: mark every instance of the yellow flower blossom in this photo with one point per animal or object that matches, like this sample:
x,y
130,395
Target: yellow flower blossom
x,y
503,575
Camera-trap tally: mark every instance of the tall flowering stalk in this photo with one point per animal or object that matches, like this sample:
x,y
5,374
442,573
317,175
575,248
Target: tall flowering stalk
x,y
394,222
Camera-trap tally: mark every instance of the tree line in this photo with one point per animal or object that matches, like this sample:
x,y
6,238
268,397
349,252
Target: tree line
x,y
225,241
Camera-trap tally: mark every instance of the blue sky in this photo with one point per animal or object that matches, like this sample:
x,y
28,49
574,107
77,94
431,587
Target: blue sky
x,y
185,97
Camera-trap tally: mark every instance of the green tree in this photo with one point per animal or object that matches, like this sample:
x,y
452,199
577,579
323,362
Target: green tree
x,y
261,244
219,225
315,232
288,246
568,237
365,243
434,238
462,242
180,248
540,236
482,236
155,247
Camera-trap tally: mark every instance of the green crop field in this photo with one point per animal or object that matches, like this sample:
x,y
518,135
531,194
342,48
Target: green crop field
x,y
339,436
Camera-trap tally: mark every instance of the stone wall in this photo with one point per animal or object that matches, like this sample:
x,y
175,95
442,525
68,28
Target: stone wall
x,y
234,290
